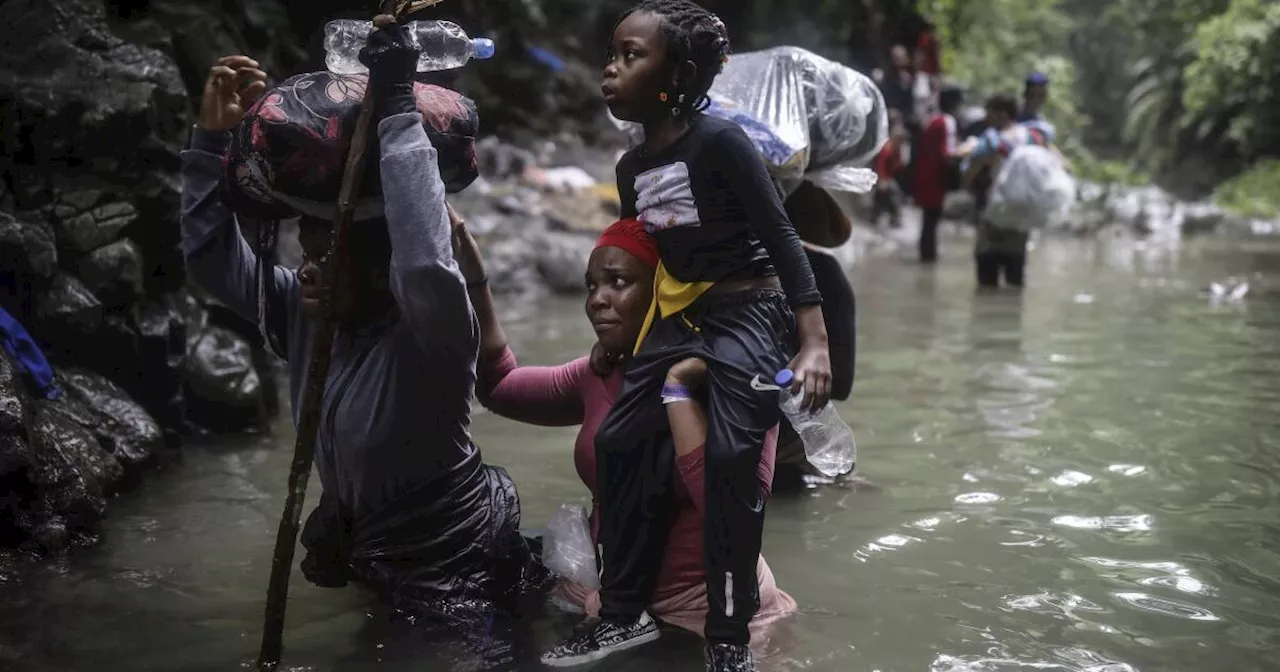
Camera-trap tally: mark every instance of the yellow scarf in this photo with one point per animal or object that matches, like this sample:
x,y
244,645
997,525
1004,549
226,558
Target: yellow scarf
x,y
670,296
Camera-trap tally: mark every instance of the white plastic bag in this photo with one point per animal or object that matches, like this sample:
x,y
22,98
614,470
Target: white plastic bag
x,y
567,549
1032,191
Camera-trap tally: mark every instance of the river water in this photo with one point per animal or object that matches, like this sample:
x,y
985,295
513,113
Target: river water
x,y
1082,477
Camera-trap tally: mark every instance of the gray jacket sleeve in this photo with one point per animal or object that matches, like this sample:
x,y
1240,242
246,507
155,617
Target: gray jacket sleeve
x,y
425,280
217,256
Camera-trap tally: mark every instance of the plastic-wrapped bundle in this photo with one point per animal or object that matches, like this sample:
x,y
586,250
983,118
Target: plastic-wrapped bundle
x,y
1032,190
287,156
811,118
567,549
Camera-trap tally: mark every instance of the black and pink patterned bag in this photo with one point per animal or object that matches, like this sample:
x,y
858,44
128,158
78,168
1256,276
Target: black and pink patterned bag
x,y
287,156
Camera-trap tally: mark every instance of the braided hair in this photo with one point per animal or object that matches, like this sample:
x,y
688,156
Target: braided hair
x,y
693,34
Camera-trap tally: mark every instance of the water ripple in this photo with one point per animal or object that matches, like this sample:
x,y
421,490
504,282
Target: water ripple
x,y
1166,607
1138,523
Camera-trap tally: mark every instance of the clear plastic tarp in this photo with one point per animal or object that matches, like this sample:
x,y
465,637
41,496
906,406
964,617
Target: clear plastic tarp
x,y
1033,190
567,549
811,118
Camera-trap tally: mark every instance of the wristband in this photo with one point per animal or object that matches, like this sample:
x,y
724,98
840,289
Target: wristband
x,y
672,393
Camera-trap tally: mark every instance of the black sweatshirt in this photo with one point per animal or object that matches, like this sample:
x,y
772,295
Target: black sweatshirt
x,y
716,214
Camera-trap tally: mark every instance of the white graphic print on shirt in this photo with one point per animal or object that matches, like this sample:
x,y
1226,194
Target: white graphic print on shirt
x,y
664,198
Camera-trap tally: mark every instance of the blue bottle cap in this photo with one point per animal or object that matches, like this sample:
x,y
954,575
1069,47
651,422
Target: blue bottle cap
x,y
784,378
482,48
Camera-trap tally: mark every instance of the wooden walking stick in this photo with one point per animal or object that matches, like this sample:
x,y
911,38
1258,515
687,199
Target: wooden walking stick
x,y
318,372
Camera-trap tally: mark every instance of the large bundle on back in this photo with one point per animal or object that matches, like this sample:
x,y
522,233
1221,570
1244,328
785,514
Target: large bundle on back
x,y
811,118
288,154
1032,190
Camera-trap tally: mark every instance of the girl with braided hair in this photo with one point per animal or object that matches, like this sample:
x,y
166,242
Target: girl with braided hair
x,y
731,273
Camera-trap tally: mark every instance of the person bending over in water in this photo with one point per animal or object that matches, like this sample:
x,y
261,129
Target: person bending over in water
x,y
699,186
407,506
619,280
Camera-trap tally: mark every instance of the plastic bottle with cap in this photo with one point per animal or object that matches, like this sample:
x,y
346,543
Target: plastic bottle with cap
x,y
828,441
444,44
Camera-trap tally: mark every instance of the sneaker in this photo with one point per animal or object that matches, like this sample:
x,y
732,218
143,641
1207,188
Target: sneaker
x,y
595,639
729,658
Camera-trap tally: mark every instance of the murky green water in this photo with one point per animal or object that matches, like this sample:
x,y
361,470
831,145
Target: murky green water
x,y
1083,477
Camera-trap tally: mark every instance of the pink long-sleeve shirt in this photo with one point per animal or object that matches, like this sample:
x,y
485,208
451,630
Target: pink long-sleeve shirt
x,y
570,394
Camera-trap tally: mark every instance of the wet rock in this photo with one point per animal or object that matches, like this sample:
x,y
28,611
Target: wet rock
x,y
27,246
162,347
1202,218
14,453
67,312
585,210
562,259
87,90
113,273
224,391
90,229
72,473
499,160
512,265
120,424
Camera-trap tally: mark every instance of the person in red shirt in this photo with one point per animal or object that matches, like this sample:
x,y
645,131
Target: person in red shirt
x,y
934,168
928,50
889,167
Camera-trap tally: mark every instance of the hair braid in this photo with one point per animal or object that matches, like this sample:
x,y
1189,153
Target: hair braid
x,y
693,34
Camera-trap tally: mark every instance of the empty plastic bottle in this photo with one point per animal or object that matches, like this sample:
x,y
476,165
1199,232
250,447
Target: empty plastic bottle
x,y
444,44
828,440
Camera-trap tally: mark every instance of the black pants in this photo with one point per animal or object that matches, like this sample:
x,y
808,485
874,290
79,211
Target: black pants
x,y
740,336
929,234
886,202
992,264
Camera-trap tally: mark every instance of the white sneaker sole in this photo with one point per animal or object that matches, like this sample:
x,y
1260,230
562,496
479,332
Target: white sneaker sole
x,y
598,654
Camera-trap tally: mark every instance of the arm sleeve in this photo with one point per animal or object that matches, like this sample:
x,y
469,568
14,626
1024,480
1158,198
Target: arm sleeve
x,y
425,280
737,160
692,471
217,256
627,188
539,395
840,311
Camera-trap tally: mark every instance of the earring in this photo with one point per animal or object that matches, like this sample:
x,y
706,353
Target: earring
x,y
662,96
681,101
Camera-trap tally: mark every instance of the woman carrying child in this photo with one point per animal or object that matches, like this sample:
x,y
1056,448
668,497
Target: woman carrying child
x,y
727,253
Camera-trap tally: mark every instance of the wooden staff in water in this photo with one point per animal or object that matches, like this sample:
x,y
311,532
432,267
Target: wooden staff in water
x,y
318,372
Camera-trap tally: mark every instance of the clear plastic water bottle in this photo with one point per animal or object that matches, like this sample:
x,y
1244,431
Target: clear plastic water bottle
x,y
828,440
444,44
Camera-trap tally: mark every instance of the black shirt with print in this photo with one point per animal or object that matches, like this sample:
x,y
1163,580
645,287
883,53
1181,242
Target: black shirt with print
x,y
717,216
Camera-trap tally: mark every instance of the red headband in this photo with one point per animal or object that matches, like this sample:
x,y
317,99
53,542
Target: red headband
x,y
629,235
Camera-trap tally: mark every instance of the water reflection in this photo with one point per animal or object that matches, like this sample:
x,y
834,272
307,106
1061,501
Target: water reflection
x,y
1082,485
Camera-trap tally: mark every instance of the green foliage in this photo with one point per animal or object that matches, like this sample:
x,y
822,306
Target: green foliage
x,y
1086,166
1253,193
1234,80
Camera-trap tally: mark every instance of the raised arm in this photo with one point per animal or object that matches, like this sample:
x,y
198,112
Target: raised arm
x,y
425,281
217,256
539,395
